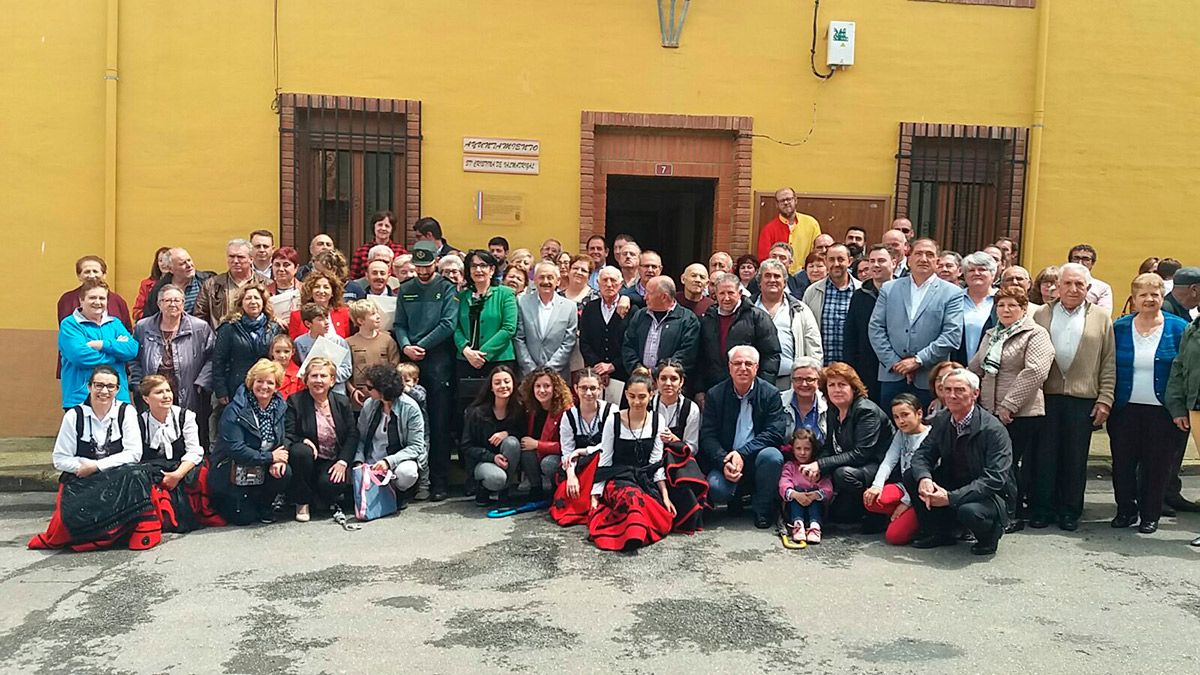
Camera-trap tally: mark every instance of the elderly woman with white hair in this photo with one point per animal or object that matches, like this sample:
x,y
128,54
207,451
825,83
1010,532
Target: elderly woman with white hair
x,y
452,267
979,310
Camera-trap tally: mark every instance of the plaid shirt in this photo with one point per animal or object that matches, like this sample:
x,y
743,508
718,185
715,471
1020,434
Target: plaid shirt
x,y
358,263
833,321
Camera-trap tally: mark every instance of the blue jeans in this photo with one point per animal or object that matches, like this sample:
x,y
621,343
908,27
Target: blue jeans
x,y
889,390
809,515
762,473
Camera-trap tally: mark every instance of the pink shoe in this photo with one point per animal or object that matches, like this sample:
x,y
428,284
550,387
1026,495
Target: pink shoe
x,y
797,531
814,535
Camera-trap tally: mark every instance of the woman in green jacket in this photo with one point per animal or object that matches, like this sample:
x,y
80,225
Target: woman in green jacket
x,y
1183,386
487,322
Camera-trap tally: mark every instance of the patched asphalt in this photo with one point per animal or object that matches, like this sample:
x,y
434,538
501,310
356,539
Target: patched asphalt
x,y
441,589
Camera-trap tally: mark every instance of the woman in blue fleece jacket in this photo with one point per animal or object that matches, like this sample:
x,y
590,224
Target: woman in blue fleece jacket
x,y
89,337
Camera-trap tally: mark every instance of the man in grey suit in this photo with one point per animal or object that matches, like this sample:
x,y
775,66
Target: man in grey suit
x,y
546,325
917,322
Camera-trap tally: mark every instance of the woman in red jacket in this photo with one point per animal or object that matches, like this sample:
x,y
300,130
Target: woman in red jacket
x,y
325,289
546,397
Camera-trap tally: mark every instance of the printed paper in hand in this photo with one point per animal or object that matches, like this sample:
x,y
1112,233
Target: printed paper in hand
x,y
284,303
387,309
327,348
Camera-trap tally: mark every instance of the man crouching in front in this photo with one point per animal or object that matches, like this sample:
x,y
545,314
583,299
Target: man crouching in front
x,y
962,472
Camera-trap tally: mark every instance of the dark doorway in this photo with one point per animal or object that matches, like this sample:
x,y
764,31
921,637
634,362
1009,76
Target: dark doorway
x,y
673,216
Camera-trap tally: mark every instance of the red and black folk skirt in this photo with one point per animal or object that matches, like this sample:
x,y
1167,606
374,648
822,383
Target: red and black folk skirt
x,y
630,514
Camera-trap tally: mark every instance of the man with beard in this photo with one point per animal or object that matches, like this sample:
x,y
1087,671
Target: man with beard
x,y
426,315
797,229
856,241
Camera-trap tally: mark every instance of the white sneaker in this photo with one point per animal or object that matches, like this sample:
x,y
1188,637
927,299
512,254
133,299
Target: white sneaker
x,y
302,513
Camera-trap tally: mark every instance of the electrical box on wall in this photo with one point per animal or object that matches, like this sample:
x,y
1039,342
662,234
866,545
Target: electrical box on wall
x,y
841,44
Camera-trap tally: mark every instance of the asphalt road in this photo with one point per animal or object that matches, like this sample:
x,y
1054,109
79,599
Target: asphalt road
x,y
440,589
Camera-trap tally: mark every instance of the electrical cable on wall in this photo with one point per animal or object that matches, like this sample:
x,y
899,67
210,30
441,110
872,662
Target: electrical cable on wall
x,y
275,53
813,49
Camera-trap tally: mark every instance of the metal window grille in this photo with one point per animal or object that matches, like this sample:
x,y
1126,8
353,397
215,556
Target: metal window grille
x,y
342,159
962,185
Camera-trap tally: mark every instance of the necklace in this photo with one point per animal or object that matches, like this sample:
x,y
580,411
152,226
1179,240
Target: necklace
x,y
1154,326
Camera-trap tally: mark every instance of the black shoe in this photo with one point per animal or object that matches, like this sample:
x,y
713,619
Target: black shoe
x,y
1121,522
966,536
1038,523
1014,525
984,547
483,498
1178,503
470,489
1068,523
1168,512
438,495
934,541
762,522
1148,527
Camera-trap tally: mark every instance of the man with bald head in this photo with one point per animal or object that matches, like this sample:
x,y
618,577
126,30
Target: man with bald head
x,y
319,243
660,330
797,229
695,285
897,244
905,226
184,275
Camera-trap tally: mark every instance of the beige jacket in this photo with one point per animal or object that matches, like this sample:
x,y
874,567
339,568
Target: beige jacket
x,y
1093,373
216,294
1025,362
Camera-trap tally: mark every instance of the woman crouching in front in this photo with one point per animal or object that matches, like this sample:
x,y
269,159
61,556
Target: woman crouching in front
x,y
250,459
630,505
391,431
171,448
97,450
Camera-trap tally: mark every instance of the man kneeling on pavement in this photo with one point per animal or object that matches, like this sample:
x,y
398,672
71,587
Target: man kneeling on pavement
x,y
962,472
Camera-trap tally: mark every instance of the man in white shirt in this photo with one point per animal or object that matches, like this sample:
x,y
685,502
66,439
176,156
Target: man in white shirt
x,y
546,325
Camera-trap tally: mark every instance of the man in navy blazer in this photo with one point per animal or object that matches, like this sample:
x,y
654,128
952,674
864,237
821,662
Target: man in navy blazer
x,y
917,322
742,427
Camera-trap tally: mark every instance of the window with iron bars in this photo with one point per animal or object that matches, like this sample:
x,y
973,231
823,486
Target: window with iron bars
x,y
342,158
962,185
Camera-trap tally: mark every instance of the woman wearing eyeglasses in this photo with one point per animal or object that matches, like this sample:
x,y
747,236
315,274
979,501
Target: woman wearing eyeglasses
x,y
177,346
102,493
487,322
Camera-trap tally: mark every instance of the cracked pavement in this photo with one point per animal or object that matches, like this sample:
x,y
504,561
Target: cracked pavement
x,y
442,589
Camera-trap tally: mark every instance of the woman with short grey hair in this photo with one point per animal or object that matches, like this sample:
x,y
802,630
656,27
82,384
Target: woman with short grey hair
x,y
979,312
178,346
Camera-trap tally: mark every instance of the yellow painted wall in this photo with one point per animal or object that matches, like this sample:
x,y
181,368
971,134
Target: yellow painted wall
x,y
198,141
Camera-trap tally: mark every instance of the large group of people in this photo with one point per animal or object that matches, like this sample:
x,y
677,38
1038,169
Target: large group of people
x,y
896,387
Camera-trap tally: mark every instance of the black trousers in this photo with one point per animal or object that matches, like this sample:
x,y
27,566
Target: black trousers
x,y
1060,461
439,402
1024,433
849,483
984,519
310,480
1145,444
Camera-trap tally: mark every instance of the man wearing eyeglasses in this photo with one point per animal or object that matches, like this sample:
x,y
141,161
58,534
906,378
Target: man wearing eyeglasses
x,y
797,229
1099,293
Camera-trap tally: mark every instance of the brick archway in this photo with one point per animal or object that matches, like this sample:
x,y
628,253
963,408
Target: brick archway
x,y
696,146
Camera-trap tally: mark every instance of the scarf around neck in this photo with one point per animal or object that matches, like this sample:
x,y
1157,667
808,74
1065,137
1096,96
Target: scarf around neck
x,y
995,346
